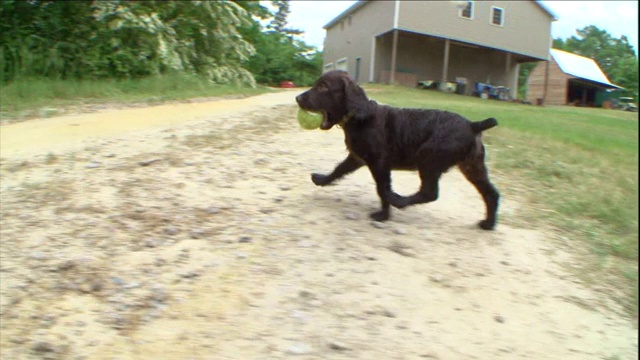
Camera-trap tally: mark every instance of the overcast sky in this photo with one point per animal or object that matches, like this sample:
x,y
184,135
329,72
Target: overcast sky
x,y
616,17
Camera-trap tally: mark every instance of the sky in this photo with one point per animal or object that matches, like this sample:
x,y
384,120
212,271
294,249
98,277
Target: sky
x,y
616,17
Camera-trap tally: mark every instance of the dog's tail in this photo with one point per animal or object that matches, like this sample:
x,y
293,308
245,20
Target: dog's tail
x,y
480,126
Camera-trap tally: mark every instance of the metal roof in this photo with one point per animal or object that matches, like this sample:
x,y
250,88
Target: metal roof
x,y
361,3
554,17
580,67
345,13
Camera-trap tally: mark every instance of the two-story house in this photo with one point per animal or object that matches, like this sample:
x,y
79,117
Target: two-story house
x,y
404,42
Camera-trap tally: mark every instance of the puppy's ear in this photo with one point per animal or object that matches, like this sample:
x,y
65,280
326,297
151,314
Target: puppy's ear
x,y
356,100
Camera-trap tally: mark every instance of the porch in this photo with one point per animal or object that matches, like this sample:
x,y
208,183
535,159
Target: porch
x,y
405,58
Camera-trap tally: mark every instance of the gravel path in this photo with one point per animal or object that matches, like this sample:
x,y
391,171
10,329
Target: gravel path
x,y
193,231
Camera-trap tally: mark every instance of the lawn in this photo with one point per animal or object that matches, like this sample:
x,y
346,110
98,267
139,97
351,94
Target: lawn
x,y
26,98
575,168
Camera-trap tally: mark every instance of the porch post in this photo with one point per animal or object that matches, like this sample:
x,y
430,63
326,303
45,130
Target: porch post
x,y
507,72
546,83
394,51
372,64
516,78
445,66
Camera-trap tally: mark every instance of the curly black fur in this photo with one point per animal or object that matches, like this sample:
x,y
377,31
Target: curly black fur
x,y
385,138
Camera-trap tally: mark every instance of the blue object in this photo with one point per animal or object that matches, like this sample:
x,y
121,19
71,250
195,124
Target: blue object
x,y
486,91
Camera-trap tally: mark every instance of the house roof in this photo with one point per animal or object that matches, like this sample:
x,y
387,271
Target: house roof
x,y
353,8
554,17
581,67
346,13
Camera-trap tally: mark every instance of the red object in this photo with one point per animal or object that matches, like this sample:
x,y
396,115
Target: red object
x,y
287,84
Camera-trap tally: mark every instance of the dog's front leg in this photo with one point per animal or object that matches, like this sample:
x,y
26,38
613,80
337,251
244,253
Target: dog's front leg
x,y
348,165
381,173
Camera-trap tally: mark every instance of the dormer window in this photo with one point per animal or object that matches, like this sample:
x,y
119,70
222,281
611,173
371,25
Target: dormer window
x,y
497,16
467,11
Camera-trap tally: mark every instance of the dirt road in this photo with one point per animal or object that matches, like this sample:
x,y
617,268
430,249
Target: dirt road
x,y
193,231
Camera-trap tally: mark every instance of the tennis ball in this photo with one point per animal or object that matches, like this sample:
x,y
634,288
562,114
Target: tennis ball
x,y
309,120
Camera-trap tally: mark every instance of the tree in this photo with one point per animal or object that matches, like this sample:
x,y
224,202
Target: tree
x,y
45,38
254,9
132,39
124,39
279,55
525,70
279,21
193,36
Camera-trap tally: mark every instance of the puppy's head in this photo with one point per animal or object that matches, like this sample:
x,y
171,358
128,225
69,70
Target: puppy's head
x,y
336,96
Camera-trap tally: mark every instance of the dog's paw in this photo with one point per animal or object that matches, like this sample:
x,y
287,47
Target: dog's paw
x,y
397,201
487,225
381,215
320,180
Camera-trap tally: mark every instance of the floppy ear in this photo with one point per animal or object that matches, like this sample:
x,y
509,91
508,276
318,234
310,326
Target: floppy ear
x,y
356,100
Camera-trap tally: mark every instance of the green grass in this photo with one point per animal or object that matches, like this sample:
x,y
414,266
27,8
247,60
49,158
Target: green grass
x,y
576,169
24,98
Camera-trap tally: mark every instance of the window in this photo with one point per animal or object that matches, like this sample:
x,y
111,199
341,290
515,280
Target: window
x,y
467,11
497,16
328,67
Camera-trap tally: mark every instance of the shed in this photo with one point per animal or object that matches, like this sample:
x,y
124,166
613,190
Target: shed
x,y
569,79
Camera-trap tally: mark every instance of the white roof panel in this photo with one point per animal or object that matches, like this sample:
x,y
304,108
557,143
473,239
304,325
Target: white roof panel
x,y
580,66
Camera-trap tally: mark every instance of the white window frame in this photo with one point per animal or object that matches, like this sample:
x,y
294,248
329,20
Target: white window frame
x,y
471,12
328,67
493,9
340,62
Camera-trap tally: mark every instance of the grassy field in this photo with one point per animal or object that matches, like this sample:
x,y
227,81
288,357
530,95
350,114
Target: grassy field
x,y
26,98
575,168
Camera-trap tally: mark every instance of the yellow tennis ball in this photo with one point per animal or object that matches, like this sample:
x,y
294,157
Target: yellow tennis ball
x,y
309,120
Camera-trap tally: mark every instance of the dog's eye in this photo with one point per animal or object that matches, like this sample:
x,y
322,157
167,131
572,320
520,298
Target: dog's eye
x,y
322,88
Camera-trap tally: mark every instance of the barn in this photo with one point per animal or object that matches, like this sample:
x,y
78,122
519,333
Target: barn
x,y
471,42
568,79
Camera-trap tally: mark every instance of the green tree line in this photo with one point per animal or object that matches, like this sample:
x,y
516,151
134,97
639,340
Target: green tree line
x,y
223,41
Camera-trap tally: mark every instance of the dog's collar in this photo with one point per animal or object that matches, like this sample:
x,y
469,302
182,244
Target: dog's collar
x,y
351,114
345,119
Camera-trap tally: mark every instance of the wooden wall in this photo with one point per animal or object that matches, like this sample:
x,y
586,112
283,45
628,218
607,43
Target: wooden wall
x,y
557,87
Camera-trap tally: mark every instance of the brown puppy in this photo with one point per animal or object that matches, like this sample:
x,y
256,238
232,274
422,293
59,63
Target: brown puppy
x,y
385,138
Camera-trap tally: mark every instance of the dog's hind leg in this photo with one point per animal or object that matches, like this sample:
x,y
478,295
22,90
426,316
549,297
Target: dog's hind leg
x,y
428,190
475,171
348,165
433,161
381,173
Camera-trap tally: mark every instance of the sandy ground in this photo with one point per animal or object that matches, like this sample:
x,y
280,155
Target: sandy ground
x,y
193,231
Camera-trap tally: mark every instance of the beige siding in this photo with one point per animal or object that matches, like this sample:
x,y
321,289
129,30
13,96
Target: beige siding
x,y
526,30
422,26
557,87
353,38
